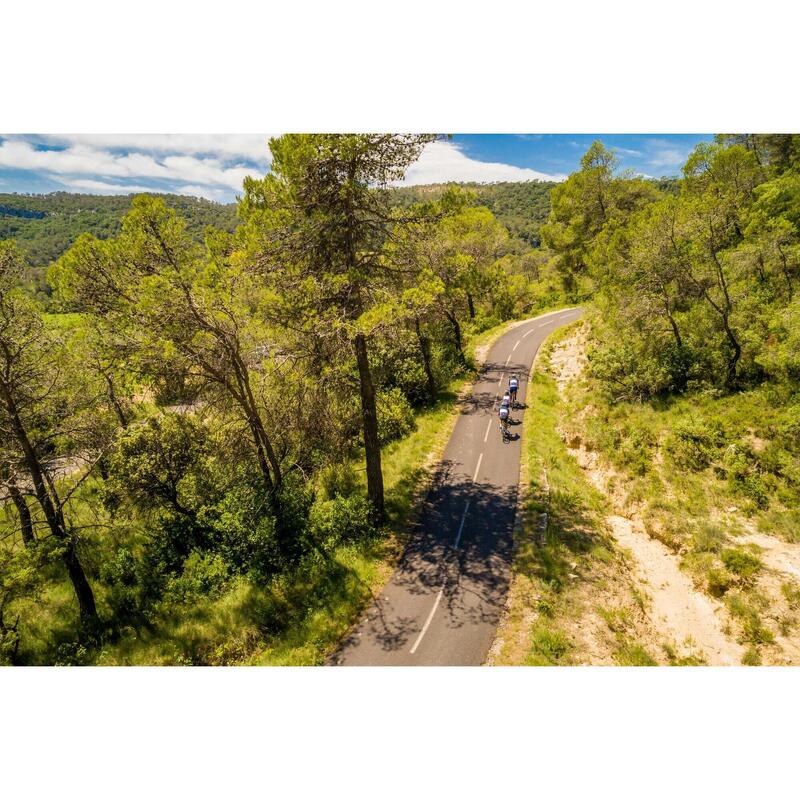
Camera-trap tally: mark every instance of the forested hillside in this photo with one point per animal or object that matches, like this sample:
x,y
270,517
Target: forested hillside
x,y
44,226
522,207
207,455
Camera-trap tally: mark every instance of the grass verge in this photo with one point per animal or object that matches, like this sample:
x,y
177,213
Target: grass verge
x,y
566,574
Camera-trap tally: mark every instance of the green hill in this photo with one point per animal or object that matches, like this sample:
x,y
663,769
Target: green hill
x,y
522,207
45,225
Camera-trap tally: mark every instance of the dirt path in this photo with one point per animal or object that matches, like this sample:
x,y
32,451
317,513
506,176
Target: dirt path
x,y
691,621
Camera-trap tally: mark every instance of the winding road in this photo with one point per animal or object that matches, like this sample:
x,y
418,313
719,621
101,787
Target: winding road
x,y
442,605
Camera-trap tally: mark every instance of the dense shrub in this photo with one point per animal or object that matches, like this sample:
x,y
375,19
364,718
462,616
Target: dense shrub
x,y
204,575
629,374
695,442
395,416
741,563
337,480
341,519
719,581
743,475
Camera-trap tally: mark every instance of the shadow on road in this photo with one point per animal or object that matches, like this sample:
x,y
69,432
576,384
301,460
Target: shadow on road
x,y
473,576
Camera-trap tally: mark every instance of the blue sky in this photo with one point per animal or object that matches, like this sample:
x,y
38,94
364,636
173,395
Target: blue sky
x,y
214,165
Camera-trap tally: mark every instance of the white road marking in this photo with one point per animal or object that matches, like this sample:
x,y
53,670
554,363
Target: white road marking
x,y
461,526
475,477
534,328
489,426
515,347
427,622
509,356
501,375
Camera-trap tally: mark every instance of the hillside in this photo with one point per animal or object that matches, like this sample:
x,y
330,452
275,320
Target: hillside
x,y
522,207
45,225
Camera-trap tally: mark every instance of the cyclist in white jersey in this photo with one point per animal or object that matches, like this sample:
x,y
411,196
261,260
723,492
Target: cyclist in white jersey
x,y
513,385
503,413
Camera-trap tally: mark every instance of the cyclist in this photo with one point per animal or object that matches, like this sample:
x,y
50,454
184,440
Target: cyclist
x,y
503,413
513,385
506,401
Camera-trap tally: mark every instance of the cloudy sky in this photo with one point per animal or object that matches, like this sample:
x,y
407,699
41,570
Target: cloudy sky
x,y
214,165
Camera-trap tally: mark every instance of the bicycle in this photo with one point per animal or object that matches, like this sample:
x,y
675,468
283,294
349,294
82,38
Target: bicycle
x,y
505,433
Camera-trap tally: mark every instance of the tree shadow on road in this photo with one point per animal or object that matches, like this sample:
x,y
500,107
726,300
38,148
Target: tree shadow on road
x,y
473,575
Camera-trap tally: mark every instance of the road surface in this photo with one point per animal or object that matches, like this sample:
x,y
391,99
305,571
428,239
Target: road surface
x,y
443,603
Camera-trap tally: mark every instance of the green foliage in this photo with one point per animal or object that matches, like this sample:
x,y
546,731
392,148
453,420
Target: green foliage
x,y
521,207
204,575
694,442
549,647
744,474
198,397
395,416
741,563
160,462
719,581
340,520
45,226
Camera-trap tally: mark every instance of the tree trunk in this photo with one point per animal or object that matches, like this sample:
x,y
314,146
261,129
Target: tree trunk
x,y
457,338
733,361
52,511
25,521
786,273
471,305
425,350
122,417
83,591
371,443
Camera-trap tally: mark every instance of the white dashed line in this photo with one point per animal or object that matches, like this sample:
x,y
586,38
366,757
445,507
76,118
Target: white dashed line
x,y
515,347
489,426
475,477
427,622
461,526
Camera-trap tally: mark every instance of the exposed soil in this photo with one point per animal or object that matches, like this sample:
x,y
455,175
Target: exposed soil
x,y
692,623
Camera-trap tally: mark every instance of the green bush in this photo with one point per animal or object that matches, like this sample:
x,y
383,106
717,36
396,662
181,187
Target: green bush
x,y
245,533
483,323
341,519
636,450
337,480
123,577
741,563
395,416
787,431
743,476
204,575
547,646
751,658
627,373
695,443
719,581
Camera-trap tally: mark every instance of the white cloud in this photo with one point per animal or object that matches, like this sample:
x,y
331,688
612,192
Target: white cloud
x,y
101,187
442,162
662,153
249,147
213,175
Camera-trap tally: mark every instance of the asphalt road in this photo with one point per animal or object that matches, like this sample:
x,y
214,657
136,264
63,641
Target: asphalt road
x,y
443,603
